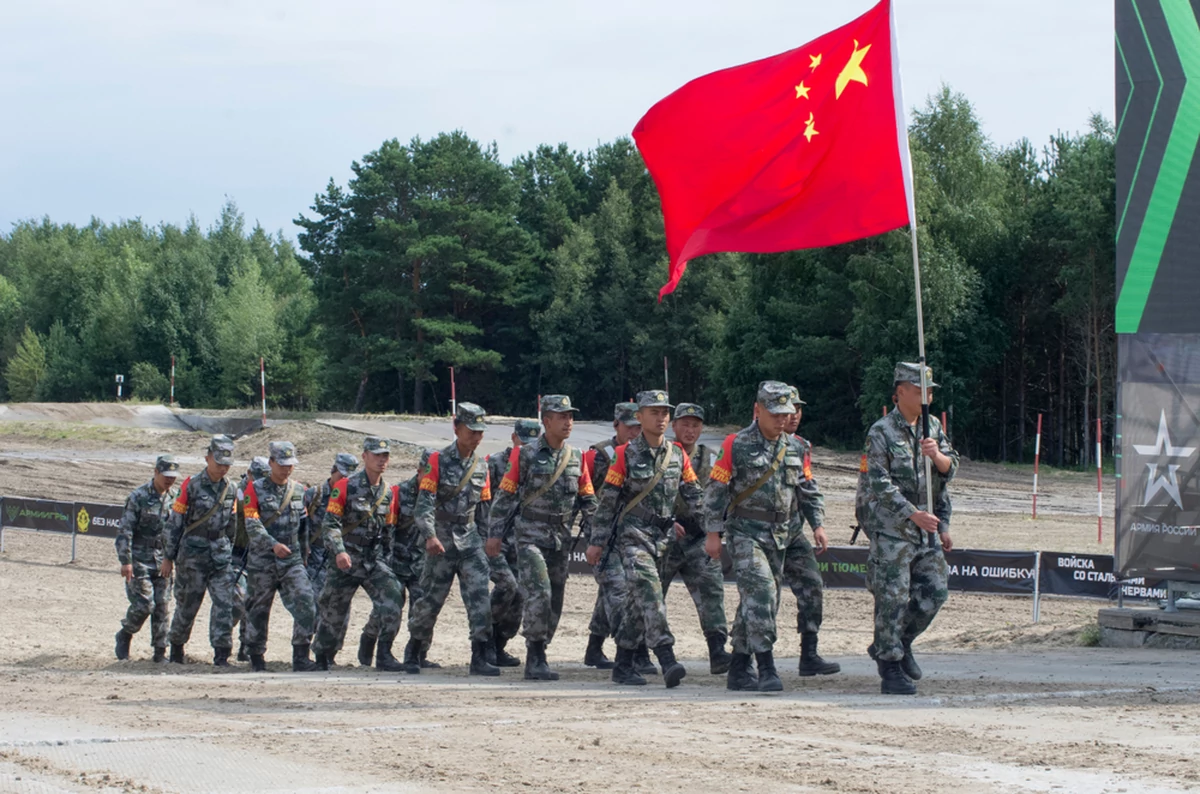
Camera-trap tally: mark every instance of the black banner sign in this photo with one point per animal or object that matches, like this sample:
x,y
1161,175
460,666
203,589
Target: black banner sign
x,y
98,520
1092,576
40,514
978,571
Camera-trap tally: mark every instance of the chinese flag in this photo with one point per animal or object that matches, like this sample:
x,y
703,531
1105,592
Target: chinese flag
x,y
801,150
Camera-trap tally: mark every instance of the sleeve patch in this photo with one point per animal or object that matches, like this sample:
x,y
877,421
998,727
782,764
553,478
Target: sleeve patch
x,y
862,464
394,508
337,498
617,471
486,494
431,474
512,474
722,470
689,474
808,475
585,478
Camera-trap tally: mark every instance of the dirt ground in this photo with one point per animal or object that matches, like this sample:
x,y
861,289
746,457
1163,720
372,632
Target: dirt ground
x,y
1006,705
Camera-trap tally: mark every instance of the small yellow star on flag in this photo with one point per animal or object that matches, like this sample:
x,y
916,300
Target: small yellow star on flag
x,y
809,129
815,61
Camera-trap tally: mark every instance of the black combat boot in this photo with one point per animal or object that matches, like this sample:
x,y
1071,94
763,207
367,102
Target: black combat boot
x,y
160,656
242,656
811,662
623,672
894,681
718,657
768,679
673,672
300,661
908,664
503,657
594,655
412,657
221,657
258,663
422,651
123,639
366,649
322,661
385,661
641,661
875,656
176,654
536,668
739,678
479,661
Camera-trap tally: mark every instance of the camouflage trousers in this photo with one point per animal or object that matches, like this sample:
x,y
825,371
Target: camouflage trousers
x,y
239,600
333,607
542,573
149,597
194,576
295,590
758,567
611,590
506,593
470,566
410,590
317,562
910,583
802,574
645,617
703,578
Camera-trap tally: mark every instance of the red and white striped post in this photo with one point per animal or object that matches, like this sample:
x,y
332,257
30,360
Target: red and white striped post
x,y
666,376
172,380
1037,455
453,395
262,380
885,412
944,430
1099,489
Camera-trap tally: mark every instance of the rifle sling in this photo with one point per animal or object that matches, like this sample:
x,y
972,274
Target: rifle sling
x,y
659,471
761,481
383,492
287,499
563,461
466,478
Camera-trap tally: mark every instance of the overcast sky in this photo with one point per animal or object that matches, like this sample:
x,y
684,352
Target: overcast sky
x,y
151,109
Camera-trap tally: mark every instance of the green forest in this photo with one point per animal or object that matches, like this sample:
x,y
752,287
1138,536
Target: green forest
x,y
541,275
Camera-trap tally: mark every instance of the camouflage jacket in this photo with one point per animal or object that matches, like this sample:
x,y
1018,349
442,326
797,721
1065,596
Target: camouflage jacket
x,y
316,499
599,458
810,503
439,510
262,503
653,519
408,546
891,482
766,514
359,519
497,462
702,463
140,536
197,496
546,521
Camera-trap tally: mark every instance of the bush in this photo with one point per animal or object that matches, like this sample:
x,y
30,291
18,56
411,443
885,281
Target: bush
x,y
26,368
148,383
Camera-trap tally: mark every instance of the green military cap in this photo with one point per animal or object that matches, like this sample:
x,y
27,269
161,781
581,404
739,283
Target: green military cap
x,y
776,397
689,409
345,463
626,414
167,466
471,415
221,448
908,372
653,399
796,397
527,430
259,467
557,404
377,444
283,453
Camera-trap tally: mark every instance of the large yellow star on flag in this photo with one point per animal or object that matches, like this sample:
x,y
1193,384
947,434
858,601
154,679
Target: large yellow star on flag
x,y
802,90
853,73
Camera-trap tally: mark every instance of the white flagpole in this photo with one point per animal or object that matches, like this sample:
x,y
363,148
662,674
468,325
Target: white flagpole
x,y
910,196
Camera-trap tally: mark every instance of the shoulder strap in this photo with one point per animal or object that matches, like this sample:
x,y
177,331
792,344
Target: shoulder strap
x,y
564,460
766,475
659,471
466,478
212,511
287,499
384,490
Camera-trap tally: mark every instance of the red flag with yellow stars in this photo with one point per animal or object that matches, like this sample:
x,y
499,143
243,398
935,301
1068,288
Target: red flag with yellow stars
x,y
802,150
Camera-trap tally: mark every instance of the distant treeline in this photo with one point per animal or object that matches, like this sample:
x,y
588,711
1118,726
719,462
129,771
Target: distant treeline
x,y
541,276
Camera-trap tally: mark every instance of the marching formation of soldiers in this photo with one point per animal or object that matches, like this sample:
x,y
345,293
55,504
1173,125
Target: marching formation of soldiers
x,y
648,509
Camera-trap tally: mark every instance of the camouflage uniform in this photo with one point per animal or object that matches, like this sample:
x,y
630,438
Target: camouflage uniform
x,y
906,574
275,515
358,522
140,544
757,530
408,556
316,499
506,593
202,553
611,587
686,558
259,467
543,531
449,490
640,530
800,569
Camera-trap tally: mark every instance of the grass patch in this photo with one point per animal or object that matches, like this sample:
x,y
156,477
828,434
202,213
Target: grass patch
x,y
1089,635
